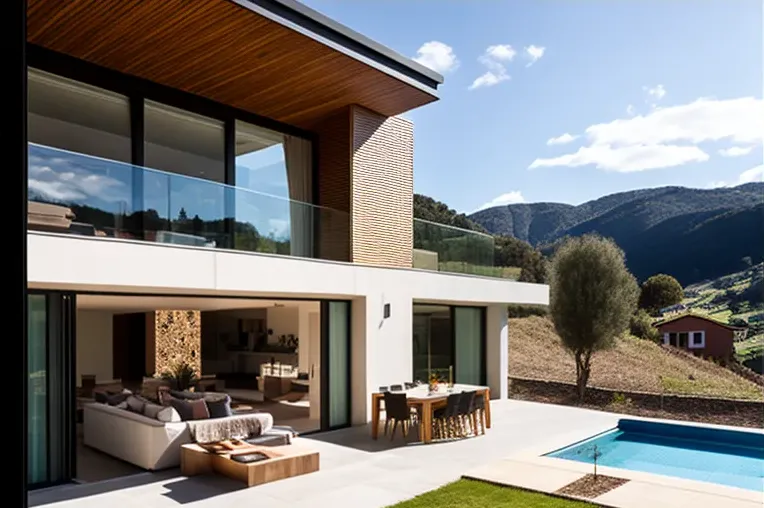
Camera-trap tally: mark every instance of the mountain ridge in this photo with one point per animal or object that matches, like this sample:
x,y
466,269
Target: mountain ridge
x,y
693,234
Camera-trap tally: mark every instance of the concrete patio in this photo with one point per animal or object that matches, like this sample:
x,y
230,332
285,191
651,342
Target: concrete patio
x,y
355,470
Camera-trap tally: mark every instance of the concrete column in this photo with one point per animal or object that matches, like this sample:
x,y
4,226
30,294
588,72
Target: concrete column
x,y
381,349
497,351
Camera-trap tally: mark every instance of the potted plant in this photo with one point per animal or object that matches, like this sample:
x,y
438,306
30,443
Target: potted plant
x,y
181,376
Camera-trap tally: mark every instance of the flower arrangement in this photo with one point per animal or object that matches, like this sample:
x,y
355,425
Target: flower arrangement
x,y
433,382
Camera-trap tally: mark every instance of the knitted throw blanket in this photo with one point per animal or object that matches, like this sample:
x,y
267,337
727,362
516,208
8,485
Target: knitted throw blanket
x,y
231,427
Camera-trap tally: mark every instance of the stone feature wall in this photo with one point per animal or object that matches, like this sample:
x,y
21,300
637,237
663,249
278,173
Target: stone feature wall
x,y
177,337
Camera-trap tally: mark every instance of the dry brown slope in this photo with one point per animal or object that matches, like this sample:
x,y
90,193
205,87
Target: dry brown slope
x,y
633,365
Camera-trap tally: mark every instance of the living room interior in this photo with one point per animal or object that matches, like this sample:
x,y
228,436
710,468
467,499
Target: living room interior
x,y
264,354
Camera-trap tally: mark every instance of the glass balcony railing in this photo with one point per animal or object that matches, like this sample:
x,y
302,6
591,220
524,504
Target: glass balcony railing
x,y
79,194
451,249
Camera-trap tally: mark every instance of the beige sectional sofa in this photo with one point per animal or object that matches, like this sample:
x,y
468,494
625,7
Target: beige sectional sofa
x,y
141,440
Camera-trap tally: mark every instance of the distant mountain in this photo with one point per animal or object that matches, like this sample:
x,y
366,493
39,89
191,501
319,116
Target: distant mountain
x,y
692,234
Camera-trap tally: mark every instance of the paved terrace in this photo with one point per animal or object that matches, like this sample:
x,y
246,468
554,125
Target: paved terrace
x,y
356,471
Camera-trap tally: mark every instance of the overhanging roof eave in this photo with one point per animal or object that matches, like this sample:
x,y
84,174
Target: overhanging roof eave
x,y
313,24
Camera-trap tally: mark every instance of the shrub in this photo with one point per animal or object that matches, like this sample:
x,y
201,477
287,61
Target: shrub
x,y
641,326
660,291
523,311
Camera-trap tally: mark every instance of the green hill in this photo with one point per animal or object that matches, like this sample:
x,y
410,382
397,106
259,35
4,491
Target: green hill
x,y
693,234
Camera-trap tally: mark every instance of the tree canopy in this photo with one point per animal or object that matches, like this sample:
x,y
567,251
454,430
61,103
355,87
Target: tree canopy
x,y
592,299
660,291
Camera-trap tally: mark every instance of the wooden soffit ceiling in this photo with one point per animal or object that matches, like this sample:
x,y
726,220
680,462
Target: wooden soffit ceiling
x,y
223,51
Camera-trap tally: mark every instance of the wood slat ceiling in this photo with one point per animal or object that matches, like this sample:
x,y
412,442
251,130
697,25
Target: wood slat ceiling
x,y
219,50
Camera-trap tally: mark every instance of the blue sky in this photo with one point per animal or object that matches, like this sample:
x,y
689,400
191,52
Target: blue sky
x,y
670,92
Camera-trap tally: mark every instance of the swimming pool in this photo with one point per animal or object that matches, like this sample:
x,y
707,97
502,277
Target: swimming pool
x,y
726,457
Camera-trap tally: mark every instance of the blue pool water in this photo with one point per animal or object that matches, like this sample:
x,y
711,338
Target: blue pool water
x,y
727,457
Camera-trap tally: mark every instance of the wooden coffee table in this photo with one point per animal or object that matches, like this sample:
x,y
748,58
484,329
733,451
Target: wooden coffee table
x,y
283,462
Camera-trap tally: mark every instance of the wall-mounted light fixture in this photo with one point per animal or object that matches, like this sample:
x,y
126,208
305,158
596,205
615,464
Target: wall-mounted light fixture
x,y
386,311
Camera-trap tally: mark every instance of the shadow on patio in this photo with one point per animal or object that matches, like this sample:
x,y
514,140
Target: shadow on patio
x,y
180,489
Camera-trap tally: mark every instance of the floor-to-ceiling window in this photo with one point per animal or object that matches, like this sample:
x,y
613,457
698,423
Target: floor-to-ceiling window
x,y
37,391
79,155
433,342
274,173
449,343
335,364
50,393
469,345
189,151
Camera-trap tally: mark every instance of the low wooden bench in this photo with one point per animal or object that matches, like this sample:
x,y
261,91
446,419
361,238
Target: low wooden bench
x,y
282,462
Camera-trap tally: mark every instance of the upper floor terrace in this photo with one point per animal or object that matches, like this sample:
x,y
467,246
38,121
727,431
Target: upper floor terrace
x,y
255,125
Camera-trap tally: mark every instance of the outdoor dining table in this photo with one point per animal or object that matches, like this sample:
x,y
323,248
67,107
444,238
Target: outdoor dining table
x,y
426,402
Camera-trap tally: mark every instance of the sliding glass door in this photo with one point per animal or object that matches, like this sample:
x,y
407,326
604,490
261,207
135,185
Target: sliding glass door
x,y
50,391
449,344
469,350
335,362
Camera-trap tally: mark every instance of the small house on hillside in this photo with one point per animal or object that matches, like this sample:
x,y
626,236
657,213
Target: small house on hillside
x,y
700,335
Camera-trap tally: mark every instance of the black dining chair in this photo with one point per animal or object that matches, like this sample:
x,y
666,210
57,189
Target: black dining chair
x,y
444,418
465,413
397,411
409,386
383,389
396,388
479,413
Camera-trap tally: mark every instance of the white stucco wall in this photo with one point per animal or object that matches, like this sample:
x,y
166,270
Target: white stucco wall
x,y
381,351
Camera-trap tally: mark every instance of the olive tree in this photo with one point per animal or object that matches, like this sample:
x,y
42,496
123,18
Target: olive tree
x,y
592,298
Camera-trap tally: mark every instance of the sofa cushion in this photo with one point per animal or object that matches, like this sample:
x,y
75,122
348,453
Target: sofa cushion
x,y
114,399
136,404
152,410
168,415
219,406
183,407
187,395
199,409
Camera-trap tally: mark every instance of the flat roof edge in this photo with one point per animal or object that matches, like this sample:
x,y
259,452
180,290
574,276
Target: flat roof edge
x,y
313,22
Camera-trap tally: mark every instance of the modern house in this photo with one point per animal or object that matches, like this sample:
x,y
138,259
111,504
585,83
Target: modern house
x,y
700,335
229,183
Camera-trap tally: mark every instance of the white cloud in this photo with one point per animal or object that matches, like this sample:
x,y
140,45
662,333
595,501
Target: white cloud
x,y
508,198
755,174
495,58
562,140
735,151
668,136
534,53
626,159
438,56
500,52
657,92
490,78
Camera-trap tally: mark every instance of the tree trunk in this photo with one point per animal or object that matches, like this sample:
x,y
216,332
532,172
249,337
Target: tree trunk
x,y
583,367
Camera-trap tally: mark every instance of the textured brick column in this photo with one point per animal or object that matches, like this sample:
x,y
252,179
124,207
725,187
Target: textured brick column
x,y
366,168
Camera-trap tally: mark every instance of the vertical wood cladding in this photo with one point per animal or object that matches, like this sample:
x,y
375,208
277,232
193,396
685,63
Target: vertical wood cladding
x,y
366,168
334,170
382,189
178,338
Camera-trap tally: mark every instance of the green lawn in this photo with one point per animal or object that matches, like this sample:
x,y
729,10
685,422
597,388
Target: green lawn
x,y
473,494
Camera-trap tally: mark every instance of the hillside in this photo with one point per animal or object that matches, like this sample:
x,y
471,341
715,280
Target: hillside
x,y
693,234
737,297
535,352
